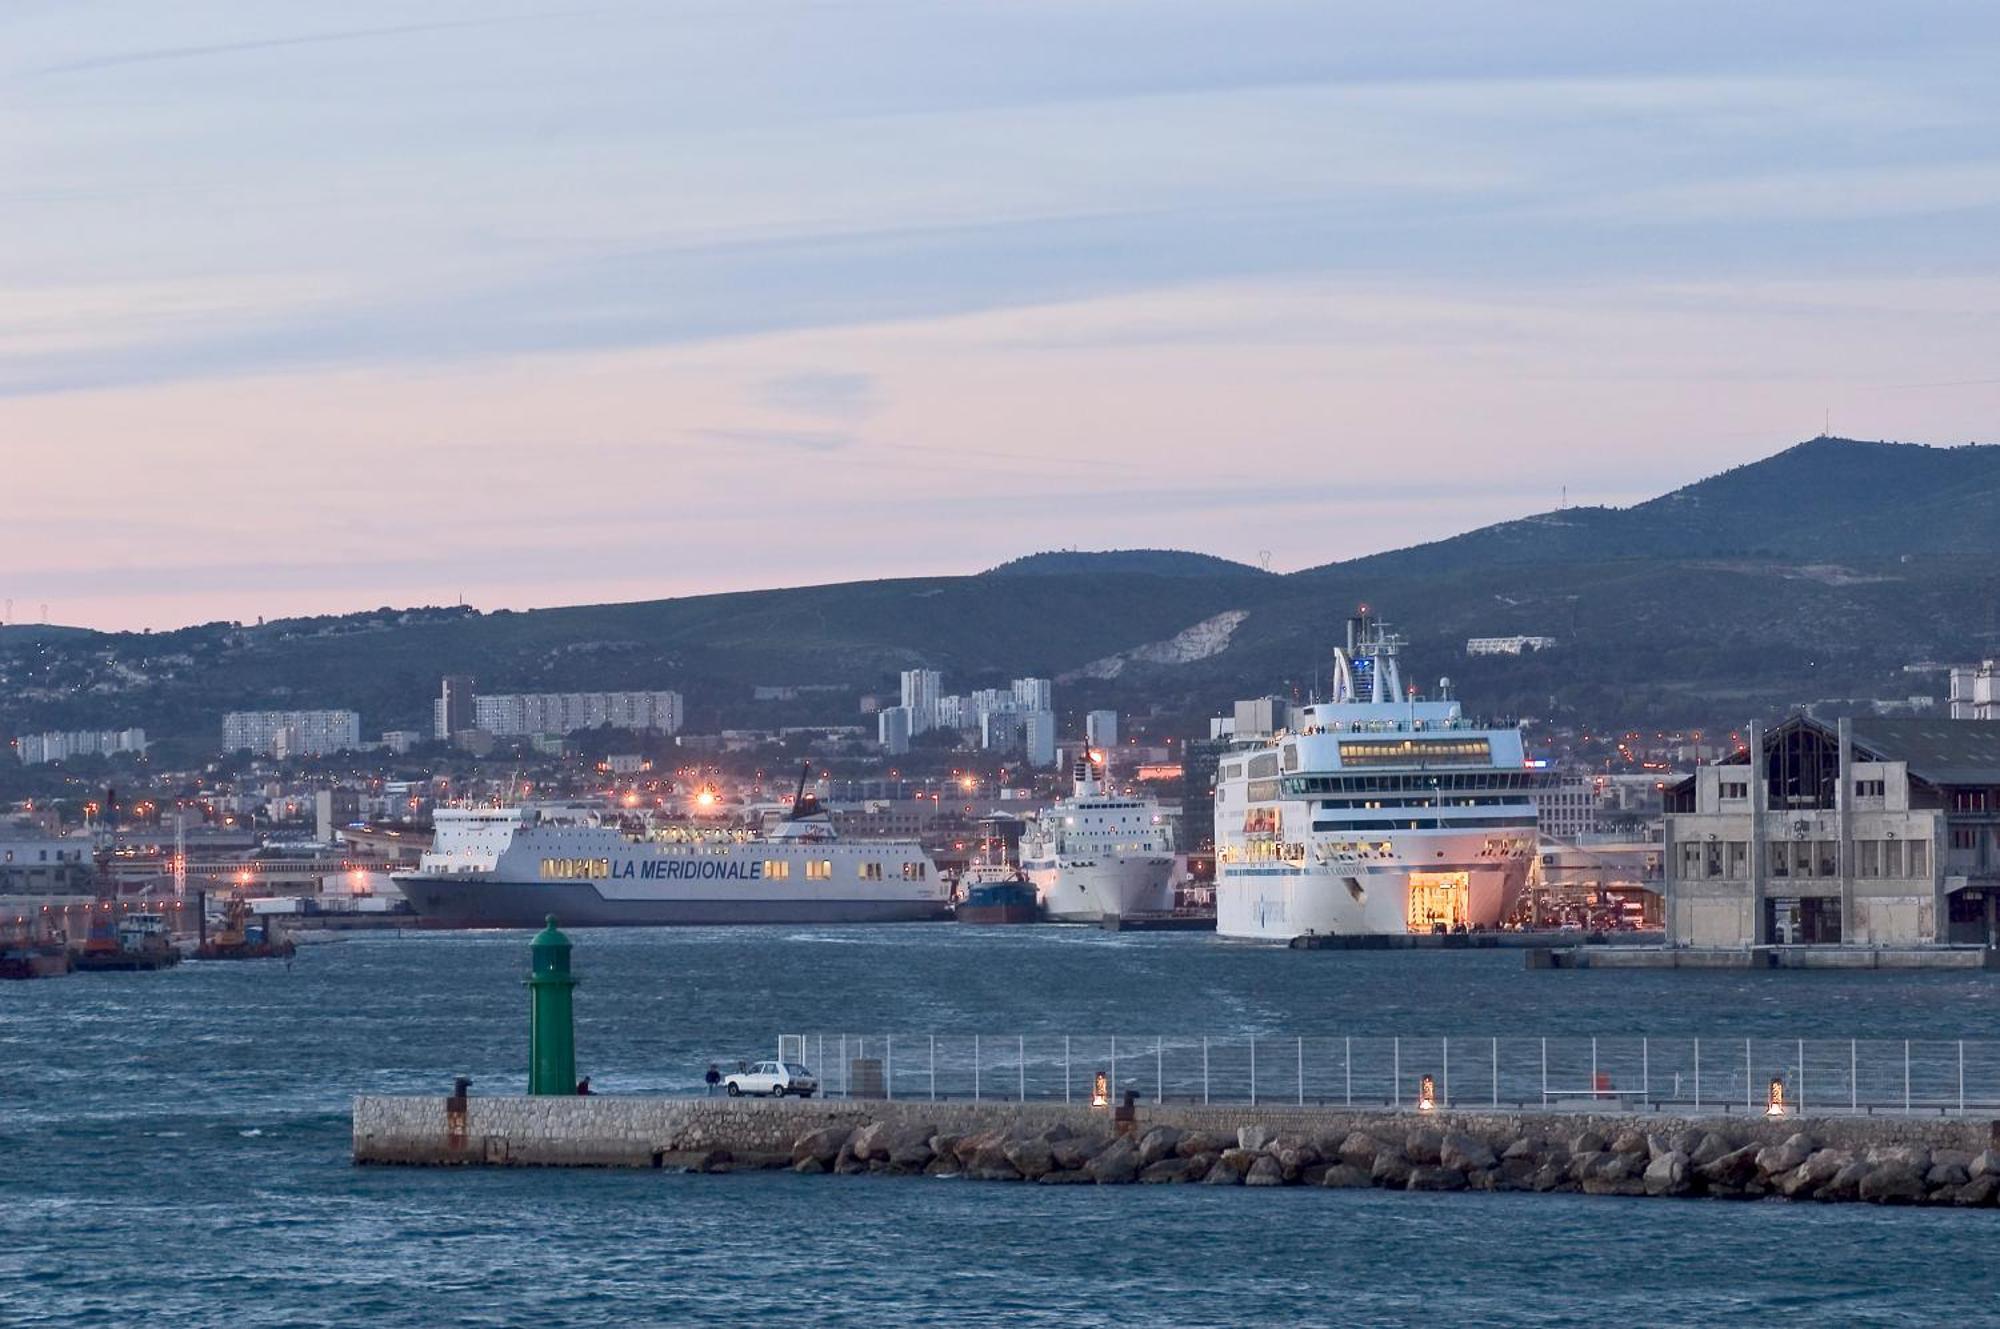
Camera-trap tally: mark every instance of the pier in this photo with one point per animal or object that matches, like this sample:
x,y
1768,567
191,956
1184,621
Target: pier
x,y
1893,1160
1765,957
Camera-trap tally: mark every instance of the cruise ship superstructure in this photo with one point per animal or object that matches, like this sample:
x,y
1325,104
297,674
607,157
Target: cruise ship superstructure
x,y
512,866
1372,812
1099,853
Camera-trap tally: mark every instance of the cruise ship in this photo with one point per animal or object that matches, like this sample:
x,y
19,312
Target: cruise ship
x,y
1372,812
596,867
1097,854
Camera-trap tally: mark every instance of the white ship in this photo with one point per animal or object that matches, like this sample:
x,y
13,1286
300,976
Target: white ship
x,y
511,867
1097,854
1374,812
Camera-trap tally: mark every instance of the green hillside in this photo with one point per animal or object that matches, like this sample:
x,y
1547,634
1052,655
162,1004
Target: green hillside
x,y
1817,573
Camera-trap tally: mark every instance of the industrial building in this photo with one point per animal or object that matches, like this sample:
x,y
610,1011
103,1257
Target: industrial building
x,y
1868,832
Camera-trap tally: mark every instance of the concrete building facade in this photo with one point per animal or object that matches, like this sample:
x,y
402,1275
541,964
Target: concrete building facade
x,y
291,733
1869,832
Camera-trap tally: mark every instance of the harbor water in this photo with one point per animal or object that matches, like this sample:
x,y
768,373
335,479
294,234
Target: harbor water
x,y
176,1147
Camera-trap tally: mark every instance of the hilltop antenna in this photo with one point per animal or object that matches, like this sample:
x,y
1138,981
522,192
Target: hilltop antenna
x,y
1264,559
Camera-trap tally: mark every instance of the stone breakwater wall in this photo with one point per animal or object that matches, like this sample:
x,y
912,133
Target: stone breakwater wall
x,y
1893,1160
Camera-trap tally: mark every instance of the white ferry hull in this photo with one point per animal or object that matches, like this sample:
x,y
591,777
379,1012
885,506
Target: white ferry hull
x,y
467,902
1277,902
1089,891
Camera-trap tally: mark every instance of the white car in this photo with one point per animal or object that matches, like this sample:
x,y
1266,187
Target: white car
x,y
774,1079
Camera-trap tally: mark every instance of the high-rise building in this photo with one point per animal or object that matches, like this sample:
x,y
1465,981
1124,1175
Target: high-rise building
x,y
454,711
1034,694
519,715
1039,737
1100,729
892,729
34,749
1975,691
291,733
921,690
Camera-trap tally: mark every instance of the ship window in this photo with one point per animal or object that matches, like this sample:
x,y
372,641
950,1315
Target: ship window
x,y
777,868
913,872
870,871
819,869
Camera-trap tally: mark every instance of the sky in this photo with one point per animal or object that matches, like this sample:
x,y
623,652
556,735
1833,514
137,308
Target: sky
x,y
311,308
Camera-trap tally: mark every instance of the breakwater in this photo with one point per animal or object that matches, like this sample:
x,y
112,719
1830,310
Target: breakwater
x,y
1889,1160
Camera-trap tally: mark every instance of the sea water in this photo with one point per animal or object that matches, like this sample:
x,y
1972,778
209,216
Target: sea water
x,y
174,1148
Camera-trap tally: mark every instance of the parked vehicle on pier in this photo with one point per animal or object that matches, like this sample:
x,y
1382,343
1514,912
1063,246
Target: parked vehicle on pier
x,y
772,1079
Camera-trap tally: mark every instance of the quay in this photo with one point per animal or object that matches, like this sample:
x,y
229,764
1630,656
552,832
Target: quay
x,y
1467,941
1895,1160
1765,957
1167,922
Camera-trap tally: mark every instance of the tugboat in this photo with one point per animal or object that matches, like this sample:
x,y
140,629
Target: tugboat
x,y
141,942
241,938
993,889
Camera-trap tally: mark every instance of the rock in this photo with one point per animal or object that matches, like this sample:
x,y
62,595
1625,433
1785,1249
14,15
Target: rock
x,y
1222,1174
1776,1160
1031,1158
1266,1171
1391,1169
968,1146
1985,1164
871,1142
1359,1149
1524,1148
1347,1176
1072,1177
1805,1180
822,1145
1584,1165
1164,1170
1198,1166
1423,1147
1846,1183
910,1148
1294,1156
990,1163
1979,1191
1314,1174
945,1145
1946,1174
1607,1186
1952,1158
714,1160
1668,1174
1071,1154
1549,1177
809,1165
1427,1177
1659,1146
1115,1164
1590,1142
1689,1140
1253,1138
846,1164
1711,1148
943,1165
1158,1143
1630,1142
1892,1181
1057,1132
1240,1159
1466,1153
1624,1165
1734,1170
1199,1142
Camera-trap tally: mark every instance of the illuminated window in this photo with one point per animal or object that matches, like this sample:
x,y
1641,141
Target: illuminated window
x,y
870,871
819,869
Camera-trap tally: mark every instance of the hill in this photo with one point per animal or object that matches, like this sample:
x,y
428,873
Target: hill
x,y
1816,573
1154,562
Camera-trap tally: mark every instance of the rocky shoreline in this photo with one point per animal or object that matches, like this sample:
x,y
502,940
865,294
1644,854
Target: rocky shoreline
x,y
1692,1161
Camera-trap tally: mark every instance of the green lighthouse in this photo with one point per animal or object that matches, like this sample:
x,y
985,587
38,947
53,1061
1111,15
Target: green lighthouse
x,y
551,1022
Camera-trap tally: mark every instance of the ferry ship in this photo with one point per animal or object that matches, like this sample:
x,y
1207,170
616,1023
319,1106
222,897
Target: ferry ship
x,y
595,867
1097,854
1375,812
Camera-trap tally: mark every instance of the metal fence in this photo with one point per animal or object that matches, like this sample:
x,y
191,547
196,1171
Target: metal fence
x,y
1633,1074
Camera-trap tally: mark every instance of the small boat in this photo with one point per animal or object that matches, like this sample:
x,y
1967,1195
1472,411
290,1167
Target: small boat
x,y
141,942
26,961
992,889
244,938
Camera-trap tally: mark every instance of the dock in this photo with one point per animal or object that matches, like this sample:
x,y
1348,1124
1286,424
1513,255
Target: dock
x,y
1170,922
1473,941
1766,957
